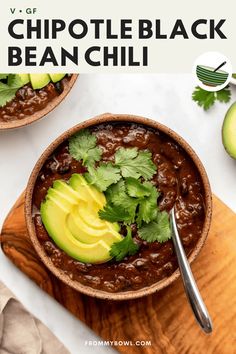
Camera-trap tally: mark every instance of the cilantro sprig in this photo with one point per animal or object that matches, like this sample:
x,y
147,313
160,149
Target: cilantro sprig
x,y
157,230
129,162
83,146
207,99
114,213
131,196
103,176
137,189
126,247
120,206
8,88
131,201
134,163
148,205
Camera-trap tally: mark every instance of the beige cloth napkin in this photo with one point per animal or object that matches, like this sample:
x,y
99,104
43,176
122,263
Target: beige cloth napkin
x,y
21,332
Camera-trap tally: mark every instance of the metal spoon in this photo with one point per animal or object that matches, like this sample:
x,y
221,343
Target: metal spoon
x,y
199,309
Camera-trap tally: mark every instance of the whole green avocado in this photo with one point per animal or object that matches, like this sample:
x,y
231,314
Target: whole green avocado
x,y
229,131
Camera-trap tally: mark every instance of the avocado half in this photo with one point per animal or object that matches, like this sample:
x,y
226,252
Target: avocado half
x,y
229,131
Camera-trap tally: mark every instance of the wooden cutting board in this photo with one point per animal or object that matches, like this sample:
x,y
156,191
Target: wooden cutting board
x,y
164,318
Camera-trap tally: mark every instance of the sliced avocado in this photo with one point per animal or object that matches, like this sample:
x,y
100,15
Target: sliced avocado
x,y
56,77
63,205
90,216
24,78
79,184
38,81
71,219
55,196
229,131
87,234
67,191
96,198
54,220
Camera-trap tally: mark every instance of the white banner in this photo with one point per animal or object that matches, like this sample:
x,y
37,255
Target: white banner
x,y
113,36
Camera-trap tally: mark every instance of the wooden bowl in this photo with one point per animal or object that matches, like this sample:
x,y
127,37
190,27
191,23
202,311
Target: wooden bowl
x,y
59,273
43,112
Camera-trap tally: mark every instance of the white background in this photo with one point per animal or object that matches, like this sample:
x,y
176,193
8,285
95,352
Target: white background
x,y
166,98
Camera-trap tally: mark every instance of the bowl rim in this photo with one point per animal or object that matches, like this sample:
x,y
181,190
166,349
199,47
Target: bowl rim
x,y
106,118
211,70
43,112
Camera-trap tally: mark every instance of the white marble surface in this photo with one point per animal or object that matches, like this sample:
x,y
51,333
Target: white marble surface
x,y
166,98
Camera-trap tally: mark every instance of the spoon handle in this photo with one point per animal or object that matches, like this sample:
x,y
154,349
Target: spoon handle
x,y
190,286
220,66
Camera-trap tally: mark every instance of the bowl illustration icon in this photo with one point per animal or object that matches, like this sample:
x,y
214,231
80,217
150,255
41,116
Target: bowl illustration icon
x,y
210,76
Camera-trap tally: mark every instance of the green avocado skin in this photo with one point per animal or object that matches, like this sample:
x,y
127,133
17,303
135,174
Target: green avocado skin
x,y
229,131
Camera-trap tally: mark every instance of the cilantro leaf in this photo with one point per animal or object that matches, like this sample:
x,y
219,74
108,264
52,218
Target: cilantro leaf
x,y
8,91
114,213
124,155
118,198
103,176
136,189
148,206
207,99
203,98
14,81
83,146
144,197
6,94
223,95
134,163
116,192
157,230
117,195
126,247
